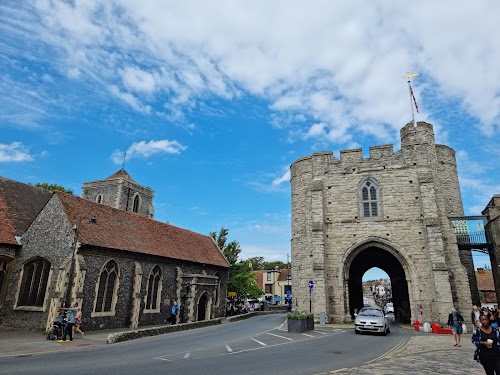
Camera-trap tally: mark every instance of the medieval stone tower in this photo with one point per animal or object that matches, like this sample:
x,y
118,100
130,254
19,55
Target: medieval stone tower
x,y
121,191
388,211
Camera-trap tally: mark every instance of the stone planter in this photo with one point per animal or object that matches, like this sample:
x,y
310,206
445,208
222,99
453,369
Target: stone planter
x,y
301,325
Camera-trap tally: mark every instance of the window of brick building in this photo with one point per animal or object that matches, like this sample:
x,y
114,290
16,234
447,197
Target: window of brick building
x,y
154,289
107,288
34,283
370,202
5,265
136,204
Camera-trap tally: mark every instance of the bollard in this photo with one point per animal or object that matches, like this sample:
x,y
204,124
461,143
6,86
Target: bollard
x,y
322,318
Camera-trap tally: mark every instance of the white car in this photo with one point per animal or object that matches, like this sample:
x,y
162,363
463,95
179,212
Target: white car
x,y
389,308
371,319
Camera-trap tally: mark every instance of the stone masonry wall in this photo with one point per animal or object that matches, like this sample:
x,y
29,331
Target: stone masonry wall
x,y
50,237
327,222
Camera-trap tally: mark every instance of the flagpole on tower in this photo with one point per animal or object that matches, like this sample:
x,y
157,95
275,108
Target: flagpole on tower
x,y
412,97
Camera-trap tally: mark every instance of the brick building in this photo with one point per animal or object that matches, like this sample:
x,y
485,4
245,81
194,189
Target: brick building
x,y
390,211
107,253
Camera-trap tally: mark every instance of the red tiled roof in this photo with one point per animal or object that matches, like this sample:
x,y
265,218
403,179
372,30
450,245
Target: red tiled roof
x,y
121,174
19,205
259,277
485,280
117,229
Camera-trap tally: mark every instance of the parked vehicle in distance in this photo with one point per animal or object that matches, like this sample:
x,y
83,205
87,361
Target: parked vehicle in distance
x,y
389,308
371,319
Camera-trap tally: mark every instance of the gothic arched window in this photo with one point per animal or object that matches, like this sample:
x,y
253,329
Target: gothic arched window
x,y
107,288
135,207
154,289
98,199
34,283
370,200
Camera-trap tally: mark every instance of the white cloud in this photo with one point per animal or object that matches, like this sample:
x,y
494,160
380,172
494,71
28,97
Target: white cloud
x,y
147,149
130,100
285,178
15,152
338,63
138,80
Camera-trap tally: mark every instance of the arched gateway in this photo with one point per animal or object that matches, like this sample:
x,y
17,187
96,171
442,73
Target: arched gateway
x,y
388,211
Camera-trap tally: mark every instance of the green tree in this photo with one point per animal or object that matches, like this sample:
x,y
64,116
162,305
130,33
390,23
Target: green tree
x,y
241,279
231,250
53,187
273,265
256,262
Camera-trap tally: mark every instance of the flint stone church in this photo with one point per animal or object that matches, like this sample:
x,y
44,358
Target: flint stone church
x,y
105,252
391,211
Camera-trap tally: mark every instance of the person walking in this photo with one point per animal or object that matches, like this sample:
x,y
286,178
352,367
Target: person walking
x,y
78,322
71,317
474,316
455,321
487,341
174,312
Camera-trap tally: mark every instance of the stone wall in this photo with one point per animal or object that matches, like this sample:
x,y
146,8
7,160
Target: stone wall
x,y
119,193
417,194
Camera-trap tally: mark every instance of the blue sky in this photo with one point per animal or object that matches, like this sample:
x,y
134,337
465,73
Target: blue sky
x,y
214,100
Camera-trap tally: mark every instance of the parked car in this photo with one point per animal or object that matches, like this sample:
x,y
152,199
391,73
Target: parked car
x,y
371,319
389,308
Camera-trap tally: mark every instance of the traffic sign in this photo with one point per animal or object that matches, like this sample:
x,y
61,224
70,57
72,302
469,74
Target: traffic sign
x,y
311,284
288,293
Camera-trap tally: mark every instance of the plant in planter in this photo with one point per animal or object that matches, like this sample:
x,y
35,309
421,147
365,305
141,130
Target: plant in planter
x,y
300,322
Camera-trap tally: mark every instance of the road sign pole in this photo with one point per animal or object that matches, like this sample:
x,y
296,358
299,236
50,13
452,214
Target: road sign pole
x,y
310,300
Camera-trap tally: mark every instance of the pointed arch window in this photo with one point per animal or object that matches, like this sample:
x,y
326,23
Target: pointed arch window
x,y
107,286
153,296
98,199
370,199
34,283
137,203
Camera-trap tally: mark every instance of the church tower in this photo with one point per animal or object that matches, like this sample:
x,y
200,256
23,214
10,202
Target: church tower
x,y
121,191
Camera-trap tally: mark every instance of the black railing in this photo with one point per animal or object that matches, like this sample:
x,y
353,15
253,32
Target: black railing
x,y
471,233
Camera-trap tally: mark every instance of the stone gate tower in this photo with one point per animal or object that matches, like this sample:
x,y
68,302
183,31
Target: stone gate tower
x,y
388,211
121,191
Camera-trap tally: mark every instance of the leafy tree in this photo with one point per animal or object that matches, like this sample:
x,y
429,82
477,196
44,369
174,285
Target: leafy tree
x,y
242,281
241,278
231,250
53,187
256,262
273,265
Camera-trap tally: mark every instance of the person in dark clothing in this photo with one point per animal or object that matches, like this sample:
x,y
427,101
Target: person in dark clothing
x,y
174,312
487,340
71,316
455,321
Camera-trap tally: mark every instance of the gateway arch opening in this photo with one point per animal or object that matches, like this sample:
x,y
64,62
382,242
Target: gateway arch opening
x,y
379,258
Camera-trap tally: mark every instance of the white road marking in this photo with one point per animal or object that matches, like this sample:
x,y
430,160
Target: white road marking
x,y
229,348
258,342
163,359
187,355
281,337
323,333
305,334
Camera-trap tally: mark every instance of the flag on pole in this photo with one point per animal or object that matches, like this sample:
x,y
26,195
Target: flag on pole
x,y
413,96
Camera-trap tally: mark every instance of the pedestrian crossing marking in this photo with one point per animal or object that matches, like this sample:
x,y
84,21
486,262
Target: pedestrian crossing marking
x,y
186,356
229,348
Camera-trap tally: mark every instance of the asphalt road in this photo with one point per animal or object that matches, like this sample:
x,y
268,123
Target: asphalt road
x,y
258,345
